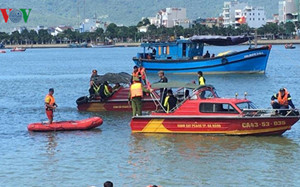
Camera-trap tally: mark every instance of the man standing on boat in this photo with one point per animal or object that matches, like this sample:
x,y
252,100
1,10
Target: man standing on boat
x,y
142,71
135,74
284,100
201,79
163,91
50,105
136,95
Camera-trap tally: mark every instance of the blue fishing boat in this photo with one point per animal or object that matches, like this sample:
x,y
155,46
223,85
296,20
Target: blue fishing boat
x,y
186,56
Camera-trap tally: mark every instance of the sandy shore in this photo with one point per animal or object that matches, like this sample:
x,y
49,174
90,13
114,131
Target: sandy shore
x,y
260,42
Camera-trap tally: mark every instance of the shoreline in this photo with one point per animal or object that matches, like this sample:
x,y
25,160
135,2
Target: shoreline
x,y
137,44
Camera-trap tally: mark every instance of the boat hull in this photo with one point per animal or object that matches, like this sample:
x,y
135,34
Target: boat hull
x,y
117,102
248,61
213,125
85,124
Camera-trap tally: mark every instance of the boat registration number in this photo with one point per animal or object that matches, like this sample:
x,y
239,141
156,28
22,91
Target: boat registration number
x,y
263,124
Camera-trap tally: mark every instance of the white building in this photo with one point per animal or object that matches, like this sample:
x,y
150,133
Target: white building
x,y
288,10
170,17
90,25
229,14
255,16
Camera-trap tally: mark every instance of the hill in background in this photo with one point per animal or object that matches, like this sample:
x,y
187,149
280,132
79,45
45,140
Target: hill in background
x,y
126,12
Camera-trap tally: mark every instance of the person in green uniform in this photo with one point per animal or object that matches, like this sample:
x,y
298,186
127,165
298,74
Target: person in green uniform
x,y
136,95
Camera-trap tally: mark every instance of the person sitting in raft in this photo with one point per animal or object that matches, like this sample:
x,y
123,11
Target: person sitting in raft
x,y
170,101
104,90
207,55
284,100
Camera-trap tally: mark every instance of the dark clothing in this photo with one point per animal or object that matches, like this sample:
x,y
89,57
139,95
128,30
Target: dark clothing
x,y
207,55
290,102
163,91
171,102
94,77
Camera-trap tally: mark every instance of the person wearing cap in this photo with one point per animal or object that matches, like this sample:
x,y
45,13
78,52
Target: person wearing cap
x,y
135,74
93,83
284,100
163,91
50,105
170,101
135,96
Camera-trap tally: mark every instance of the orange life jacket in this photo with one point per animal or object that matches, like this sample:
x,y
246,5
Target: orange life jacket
x,y
52,100
143,73
283,100
136,74
136,90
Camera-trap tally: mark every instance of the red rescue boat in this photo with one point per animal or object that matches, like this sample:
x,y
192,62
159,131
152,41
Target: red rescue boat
x,y
84,124
206,113
18,49
117,102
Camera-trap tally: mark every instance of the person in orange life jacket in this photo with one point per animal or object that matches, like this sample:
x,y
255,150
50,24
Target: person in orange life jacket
x,y
135,96
142,71
284,100
50,105
136,73
163,91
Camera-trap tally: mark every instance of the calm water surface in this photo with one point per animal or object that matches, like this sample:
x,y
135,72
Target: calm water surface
x,y
111,152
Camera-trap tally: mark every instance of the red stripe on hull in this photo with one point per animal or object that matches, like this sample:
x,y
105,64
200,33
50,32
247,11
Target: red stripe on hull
x,y
231,126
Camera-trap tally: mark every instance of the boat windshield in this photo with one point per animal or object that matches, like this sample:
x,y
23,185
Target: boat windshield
x,y
246,105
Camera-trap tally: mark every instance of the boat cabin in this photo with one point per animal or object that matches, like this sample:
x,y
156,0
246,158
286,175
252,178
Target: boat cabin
x,y
178,49
203,100
186,48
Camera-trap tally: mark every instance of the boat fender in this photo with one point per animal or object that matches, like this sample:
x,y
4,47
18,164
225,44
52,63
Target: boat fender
x,y
224,60
82,100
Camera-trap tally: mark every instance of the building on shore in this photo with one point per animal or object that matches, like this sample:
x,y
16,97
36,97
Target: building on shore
x,y
229,12
91,25
61,29
236,13
209,22
170,17
255,16
289,11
